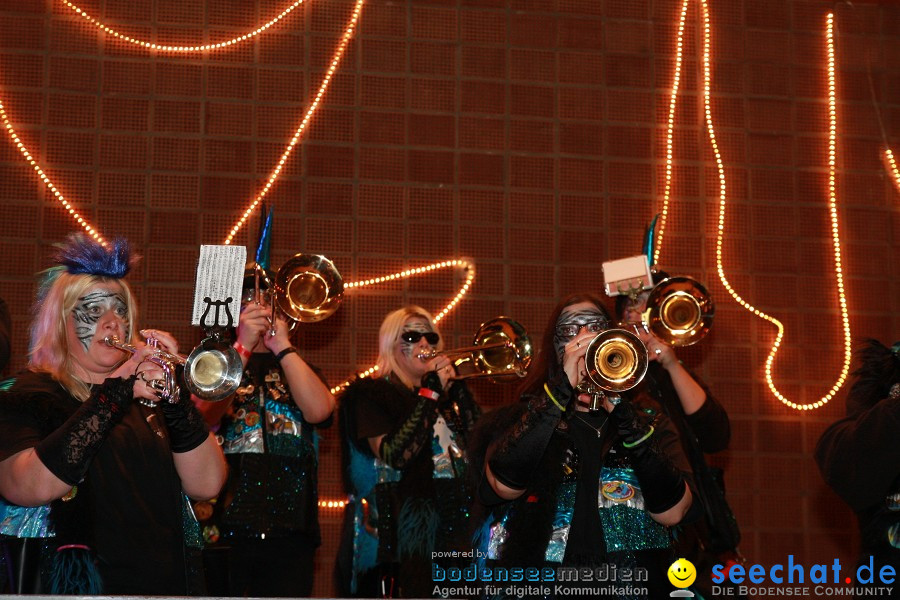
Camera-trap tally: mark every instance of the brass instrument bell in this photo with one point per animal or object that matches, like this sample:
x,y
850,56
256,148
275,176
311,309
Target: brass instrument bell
x,y
616,360
679,311
308,288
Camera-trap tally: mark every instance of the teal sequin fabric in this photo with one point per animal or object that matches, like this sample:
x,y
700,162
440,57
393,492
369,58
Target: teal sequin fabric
x,y
626,525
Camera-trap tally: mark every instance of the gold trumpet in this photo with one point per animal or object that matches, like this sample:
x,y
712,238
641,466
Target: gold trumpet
x,y
500,350
307,288
211,372
616,360
679,311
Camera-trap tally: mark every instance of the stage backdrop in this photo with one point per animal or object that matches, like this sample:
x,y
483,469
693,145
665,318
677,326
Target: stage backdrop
x,y
530,138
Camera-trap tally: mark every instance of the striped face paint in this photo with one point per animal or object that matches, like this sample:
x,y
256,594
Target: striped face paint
x,y
570,324
94,305
415,324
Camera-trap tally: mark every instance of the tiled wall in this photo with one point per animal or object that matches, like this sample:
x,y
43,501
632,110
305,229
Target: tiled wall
x,y
526,136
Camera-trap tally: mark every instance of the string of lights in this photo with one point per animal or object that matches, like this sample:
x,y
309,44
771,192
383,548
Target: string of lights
x,y
832,204
670,132
892,167
82,222
180,49
335,60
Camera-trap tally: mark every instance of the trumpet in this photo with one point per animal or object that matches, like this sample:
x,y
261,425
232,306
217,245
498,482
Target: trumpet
x,y
615,361
212,371
679,311
167,388
500,350
307,288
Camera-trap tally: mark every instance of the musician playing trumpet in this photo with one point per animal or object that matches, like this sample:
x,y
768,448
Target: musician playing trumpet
x,y
95,480
266,520
405,435
568,486
712,535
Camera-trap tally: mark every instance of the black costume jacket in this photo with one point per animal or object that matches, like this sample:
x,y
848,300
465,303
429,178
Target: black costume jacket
x,y
419,504
600,534
859,457
129,509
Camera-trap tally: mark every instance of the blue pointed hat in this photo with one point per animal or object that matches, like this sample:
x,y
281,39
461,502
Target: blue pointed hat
x,y
650,240
265,241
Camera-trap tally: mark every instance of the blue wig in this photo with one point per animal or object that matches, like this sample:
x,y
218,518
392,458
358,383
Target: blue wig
x,y
80,255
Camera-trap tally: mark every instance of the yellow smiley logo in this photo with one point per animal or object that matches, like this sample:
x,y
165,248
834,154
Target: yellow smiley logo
x,y
682,573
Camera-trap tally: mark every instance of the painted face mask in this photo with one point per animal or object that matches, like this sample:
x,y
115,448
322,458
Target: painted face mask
x,y
409,340
570,325
91,307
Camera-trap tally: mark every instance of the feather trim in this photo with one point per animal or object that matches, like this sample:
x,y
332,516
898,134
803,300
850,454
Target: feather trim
x,y
417,528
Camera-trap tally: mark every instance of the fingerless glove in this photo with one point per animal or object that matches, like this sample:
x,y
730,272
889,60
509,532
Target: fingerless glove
x,y
661,483
187,429
68,451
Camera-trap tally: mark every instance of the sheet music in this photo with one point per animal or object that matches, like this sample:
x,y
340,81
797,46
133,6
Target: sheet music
x,y
220,278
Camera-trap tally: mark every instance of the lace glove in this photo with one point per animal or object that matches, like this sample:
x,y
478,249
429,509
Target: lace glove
x,y
403,444
513,458
68,451
661,483
187,429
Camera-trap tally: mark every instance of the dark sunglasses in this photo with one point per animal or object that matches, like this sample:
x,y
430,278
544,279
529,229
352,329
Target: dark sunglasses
x,y
413,337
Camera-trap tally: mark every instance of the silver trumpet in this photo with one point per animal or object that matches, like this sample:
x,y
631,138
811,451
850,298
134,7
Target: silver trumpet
x,y
212,372
166,388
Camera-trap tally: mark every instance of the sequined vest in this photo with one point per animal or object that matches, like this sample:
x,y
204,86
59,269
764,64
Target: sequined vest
x,y
627,525
272,454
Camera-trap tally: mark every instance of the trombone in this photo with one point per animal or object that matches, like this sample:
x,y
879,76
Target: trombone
x,y
307,288
500,350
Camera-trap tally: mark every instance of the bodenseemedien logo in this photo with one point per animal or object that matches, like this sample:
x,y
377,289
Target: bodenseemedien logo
x,y
682,574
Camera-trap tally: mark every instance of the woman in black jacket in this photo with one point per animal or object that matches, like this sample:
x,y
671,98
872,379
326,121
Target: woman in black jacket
x,y
570,487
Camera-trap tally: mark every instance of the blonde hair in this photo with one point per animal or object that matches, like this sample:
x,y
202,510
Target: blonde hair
x,y
390,331
49,347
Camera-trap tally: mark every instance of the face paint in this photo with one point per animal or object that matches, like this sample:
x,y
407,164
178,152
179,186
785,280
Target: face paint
x,y
91,307
570,324
415,324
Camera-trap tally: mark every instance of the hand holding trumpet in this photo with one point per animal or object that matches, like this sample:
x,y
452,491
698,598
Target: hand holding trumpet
x,y
151,382
657,349
573,357
253,325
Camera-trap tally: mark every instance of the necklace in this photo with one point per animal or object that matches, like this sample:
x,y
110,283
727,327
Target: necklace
x,y
599,430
